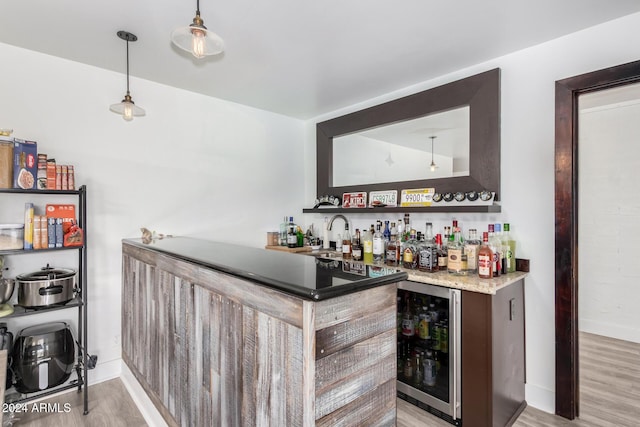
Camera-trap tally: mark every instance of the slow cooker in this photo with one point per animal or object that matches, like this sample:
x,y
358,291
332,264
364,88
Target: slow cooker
x,y
46,287
43,357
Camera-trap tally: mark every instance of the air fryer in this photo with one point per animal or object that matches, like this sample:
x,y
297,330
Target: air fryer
x,y
43,357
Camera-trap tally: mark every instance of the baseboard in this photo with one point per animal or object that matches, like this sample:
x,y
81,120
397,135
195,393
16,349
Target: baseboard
x,y
104,371
140,398
611,330
540,398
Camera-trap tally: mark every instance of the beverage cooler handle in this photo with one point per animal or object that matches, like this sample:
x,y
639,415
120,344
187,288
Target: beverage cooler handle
x,y
455,340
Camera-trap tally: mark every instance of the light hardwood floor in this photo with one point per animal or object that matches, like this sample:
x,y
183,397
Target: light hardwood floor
x,y
609,386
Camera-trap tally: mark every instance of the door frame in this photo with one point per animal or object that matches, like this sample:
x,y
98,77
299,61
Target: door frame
x,y
566,223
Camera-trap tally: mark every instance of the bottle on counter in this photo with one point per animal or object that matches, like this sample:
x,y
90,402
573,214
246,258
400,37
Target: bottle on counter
x,y
292,235
498,237
392,250
400,229
442,253
509,246
409,252
284,229
356,247
455,252
407,228
378,245
471,246
367,248
386,233
428,251
495,245
485,258
346,242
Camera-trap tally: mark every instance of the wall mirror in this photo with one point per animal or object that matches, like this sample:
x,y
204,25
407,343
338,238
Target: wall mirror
x,y
388,146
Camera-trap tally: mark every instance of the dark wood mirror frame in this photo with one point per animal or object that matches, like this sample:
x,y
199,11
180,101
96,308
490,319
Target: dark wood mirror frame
x,y
480,92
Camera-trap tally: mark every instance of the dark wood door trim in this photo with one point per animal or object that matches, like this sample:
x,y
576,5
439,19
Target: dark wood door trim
x,y
566,229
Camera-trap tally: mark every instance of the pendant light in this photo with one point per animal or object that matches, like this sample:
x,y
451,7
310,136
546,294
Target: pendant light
x,y
433,165
126,107
196,39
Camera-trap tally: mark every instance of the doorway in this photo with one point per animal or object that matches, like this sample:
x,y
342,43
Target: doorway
x,y
566,220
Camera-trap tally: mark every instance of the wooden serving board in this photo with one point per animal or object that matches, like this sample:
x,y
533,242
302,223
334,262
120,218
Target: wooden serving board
x,y
287,249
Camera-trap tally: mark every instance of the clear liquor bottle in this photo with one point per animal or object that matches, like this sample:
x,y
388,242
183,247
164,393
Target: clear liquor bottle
x,y
496,247
455,252
378,245
509,244
471,247
428,251
442,253
497,228
407,228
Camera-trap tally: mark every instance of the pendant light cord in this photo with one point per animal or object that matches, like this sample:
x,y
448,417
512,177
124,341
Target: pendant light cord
x,y
127,67
198,7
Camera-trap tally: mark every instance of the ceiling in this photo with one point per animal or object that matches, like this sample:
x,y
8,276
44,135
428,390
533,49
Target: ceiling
x,y
297,58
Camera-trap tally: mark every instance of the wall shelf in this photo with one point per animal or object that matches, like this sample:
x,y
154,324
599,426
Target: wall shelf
x,y
450,208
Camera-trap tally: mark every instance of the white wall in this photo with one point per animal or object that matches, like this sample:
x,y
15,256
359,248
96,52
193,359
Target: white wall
x,y
527,168
194,166
609,220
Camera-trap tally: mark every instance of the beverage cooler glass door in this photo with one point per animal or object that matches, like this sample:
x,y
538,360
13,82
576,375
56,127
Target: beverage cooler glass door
x,y
429,348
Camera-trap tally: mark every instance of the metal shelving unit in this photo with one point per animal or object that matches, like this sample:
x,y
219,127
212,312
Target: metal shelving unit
x,y
79,302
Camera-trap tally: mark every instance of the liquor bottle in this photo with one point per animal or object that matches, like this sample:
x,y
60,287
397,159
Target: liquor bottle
x,y
495,245
409,255
325,234
471,246
446,235
378,245
386,234
497,234
292,236
393,232
284,228
418,372
485,258
367,248
408,325
509,244
442,253
346,242
455,250
428,251
407,228
392,251
356,247
400,229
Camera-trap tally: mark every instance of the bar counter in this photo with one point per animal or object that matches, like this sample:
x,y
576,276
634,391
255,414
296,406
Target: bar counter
x,y
218,334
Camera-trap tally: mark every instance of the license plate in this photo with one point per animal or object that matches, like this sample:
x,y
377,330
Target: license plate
x,y
417,197
354,200
383,198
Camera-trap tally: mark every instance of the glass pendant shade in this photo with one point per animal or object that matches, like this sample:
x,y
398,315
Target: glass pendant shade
x,y
127,108
196,39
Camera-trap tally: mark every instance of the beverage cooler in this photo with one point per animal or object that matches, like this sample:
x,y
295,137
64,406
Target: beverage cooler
x,y
429,349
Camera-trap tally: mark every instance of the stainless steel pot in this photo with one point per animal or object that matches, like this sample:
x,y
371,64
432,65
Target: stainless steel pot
x,y
46,287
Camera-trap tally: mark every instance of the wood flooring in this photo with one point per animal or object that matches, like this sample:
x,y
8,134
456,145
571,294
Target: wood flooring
x,y
609,387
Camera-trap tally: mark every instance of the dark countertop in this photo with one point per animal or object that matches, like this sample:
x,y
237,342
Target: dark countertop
x,y
304,276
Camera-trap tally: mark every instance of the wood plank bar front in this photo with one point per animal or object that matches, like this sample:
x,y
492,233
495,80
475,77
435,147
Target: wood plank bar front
x,y
211,349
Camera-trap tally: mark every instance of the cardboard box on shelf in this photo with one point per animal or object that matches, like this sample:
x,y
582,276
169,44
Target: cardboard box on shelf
x,y
6,162
25,164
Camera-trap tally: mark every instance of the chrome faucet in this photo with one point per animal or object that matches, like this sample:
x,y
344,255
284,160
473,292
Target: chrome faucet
x,y
346,221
